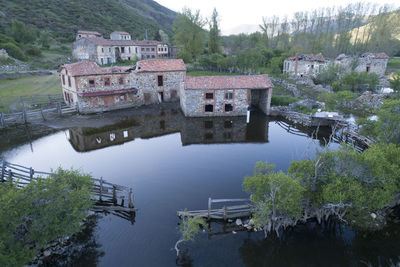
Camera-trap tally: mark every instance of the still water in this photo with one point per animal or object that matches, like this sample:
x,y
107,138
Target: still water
x,y
173,163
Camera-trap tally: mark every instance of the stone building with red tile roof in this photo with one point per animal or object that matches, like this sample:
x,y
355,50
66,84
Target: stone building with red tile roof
x,y
225,95
305,65
369,62
90,88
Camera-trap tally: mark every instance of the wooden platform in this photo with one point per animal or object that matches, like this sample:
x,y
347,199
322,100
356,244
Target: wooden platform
x,y
108,196
224,213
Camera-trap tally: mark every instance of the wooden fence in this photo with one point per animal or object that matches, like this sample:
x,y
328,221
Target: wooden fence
x,y
108,196
224,213
36,108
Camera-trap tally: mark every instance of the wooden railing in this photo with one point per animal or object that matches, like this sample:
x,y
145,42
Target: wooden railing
x,y
108,196
224,213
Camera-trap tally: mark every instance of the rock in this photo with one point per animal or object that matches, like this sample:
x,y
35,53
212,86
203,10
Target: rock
x,y
233,232
251,222
373,215
369,99
239,222
47,253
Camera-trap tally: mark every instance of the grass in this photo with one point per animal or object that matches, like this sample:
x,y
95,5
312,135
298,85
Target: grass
x,y
10,90
209,73
278,100
393,64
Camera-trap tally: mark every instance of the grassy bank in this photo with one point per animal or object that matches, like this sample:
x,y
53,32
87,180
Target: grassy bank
x,y
10,90
393,65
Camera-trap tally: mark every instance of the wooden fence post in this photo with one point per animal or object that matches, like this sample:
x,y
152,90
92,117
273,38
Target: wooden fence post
x,y
101,188
3,171
31,172
130,204
209,207
21,98
225,211
2,121
114,194
41,112
59,109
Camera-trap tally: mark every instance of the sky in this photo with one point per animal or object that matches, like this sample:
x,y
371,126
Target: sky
x,y
234,14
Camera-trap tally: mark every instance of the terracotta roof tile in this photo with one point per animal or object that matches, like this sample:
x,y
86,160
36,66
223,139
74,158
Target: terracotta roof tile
x,y
309,57
120,32
228,82
152,65
83,68
375,55
89,32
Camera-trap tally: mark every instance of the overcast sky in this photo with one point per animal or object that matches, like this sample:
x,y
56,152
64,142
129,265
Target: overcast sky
x,y
235,13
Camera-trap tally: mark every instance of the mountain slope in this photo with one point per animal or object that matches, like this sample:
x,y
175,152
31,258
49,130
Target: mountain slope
x,y
64,17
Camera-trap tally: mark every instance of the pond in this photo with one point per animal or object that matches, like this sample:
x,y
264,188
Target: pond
x,y
173,163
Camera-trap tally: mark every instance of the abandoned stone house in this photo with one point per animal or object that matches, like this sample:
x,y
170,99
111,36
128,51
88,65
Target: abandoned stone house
x,y
225,95
306,65
369,62
90,88
93,47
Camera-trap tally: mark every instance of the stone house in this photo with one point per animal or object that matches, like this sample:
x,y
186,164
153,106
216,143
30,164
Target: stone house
x,y
148,48
173,51
90,88
306,65
104,51
225,95
87,34
120,36
369,62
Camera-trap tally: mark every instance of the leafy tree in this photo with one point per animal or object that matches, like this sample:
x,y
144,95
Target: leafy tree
x,y
214,43
41,212
13,50
157,36
44,39
189,34
20,33
395,81
327,75
189,228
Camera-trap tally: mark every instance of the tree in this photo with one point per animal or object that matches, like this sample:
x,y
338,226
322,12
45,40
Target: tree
x,y
44,39
20,33
189,34
189,228
395,81
157,36
214,43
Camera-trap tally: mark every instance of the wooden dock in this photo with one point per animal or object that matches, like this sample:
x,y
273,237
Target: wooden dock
x,y
109,197
225,212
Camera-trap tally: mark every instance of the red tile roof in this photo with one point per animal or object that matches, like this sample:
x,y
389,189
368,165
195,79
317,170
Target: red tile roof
x,y
153,65
120,32
89,32
375,55
228,82
84,68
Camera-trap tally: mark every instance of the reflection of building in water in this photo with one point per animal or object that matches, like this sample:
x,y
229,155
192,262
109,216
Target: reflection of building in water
x,y
211,130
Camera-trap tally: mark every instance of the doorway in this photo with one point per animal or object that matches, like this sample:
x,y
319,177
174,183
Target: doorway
x,y
160,97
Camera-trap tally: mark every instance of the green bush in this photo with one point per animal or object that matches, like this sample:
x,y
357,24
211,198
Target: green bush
x,y
33,51
395,81
358,81
42,211
13,50
337,100
278,100
328,75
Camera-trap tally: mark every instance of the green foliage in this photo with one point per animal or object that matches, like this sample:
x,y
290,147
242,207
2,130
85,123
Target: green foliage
x,y
214,43
387,127
395,81
275,194
359,81
190,227
33,51
304,109
20,33
44,39
189,35
328,75
277,100
339,100
40,212
13,50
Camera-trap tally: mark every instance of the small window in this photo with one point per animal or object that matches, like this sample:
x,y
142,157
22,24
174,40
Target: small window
x,y
229,95
136,50
112,136
152,49
91,83
147,56
209,108
63,79
126,134
122,49
160,80
69,81
102,61
228,124
129,50
162,125
109,49
121,80
107,82
368,68
147,49
102,49
208,136
153,56
312,67
209,95
208,124
228,107
80,35
142,48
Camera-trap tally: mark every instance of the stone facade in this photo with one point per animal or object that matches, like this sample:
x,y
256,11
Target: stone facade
x,y
87,34
304,65
120,36
225,95
369,62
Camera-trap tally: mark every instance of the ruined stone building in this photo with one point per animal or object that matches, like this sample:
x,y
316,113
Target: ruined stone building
x,y
225,95
92,46
306,65
90,88
369,62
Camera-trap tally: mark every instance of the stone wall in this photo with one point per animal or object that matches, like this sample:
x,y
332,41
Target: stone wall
x,y
82,49
372,65
304,67
105,55
193,102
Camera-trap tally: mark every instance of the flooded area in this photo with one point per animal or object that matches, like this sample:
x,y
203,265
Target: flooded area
x,y
173,163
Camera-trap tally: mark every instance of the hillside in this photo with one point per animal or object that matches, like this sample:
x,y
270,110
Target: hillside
x,y
62,18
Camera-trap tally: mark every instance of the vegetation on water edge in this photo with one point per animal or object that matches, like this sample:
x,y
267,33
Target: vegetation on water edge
x,y
189,228
278,100
40,212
